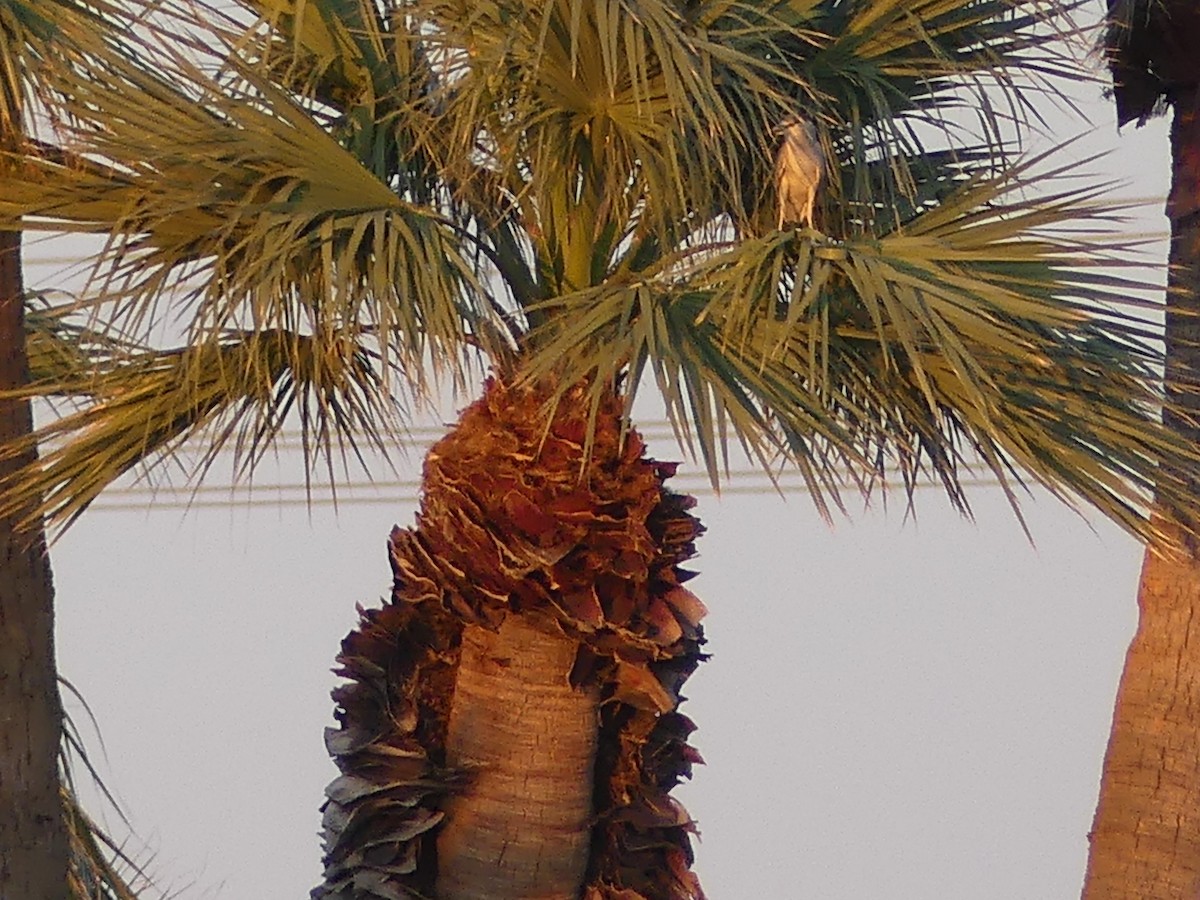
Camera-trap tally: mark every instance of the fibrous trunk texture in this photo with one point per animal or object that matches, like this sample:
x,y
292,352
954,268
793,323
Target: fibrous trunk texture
x,y
33,840
509,725
529,738
1145,840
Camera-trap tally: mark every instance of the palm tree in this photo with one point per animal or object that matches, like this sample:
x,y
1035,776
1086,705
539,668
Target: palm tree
x,y
50,846
32,830
1145,841
322,201
35,837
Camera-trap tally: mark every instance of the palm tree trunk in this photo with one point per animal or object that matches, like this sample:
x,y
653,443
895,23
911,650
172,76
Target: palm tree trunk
x,y
524,829
33,839
1145,840
509,728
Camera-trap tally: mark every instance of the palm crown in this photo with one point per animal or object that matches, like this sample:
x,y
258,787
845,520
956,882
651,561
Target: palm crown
x,y
329,199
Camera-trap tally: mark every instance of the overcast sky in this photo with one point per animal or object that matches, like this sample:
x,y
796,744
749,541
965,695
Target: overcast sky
x,y
893,709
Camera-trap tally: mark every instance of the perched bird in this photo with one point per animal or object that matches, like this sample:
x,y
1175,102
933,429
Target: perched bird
x,y
799,168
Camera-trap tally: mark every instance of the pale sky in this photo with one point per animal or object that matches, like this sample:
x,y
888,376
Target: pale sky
x,y
897,710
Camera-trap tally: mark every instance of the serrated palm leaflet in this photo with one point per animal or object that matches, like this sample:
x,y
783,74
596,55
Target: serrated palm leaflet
x,y
510,534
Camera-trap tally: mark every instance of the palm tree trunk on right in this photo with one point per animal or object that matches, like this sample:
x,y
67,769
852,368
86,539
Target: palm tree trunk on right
x,y
1145,840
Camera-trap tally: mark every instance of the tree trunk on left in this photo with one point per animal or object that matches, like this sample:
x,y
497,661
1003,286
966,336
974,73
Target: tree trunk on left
x,y
33,838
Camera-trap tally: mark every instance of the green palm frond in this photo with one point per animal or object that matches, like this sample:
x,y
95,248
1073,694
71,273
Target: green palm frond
x,y
280,223
993,330
902,83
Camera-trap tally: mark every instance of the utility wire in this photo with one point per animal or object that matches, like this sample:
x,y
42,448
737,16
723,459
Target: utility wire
x,y
340,501
143,497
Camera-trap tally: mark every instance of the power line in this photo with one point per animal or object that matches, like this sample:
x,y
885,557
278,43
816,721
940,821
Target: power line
x,y
297,494
744,480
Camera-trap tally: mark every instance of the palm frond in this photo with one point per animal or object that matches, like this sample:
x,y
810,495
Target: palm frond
x,y
266,210
100,868
63,349
993,330
587,186
1148,47
901,83
236,393
38,37
277,251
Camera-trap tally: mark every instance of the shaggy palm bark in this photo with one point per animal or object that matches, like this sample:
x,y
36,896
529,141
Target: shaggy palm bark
x,y
1145,840
509,727
33,838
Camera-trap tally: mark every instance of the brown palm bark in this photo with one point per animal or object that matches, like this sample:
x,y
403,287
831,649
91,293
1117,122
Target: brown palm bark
x,y
530,739
33,839
1145,840
509,725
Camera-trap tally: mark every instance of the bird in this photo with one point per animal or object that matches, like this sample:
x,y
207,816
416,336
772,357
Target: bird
x,y
799,170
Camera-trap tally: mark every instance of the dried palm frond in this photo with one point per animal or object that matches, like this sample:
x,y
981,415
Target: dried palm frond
x,y
100,867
